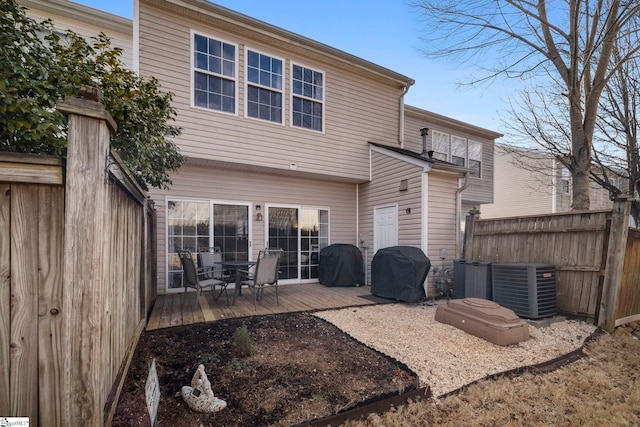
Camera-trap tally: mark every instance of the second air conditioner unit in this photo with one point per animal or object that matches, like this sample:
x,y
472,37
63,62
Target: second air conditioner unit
x,y
527,289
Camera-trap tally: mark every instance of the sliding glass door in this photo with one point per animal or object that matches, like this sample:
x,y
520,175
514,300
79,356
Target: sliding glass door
x,y
301,233
196,225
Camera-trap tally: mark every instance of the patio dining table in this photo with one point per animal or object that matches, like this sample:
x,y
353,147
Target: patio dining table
x,y
236,266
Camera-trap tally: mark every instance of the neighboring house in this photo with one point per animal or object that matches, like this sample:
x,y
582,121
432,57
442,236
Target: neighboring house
x,y
85,21
294,144
531,182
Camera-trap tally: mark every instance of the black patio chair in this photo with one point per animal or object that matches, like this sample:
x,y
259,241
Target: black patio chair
x,y
193,279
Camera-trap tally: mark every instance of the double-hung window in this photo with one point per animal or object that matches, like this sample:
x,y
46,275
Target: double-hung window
x,y
307,89
264,87
566,180
475,158
214,74
459,151
440,146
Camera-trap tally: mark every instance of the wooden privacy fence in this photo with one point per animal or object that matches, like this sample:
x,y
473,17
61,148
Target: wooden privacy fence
x,y
75,276
595,253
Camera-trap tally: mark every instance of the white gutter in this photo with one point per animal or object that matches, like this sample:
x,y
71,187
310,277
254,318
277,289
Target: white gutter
x,y
401,121
136,36
554,186
459,211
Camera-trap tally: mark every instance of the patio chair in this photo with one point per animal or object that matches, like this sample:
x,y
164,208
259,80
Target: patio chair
x,y
210,267
192,279
265,274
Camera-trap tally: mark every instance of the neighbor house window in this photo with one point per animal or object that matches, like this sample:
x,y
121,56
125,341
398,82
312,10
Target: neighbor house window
x,y
264,87
475,158
566,180
214,74
307,88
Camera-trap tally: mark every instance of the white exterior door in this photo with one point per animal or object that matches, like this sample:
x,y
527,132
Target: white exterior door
x,y
386,227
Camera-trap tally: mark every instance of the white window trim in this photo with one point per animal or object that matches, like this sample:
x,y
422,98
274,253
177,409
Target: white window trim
x,y
448,137
246,85
292,95
481,158
467,158
193,71
210,202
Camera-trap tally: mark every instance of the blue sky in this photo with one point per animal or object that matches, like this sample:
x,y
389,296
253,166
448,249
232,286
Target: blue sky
x,y
386,32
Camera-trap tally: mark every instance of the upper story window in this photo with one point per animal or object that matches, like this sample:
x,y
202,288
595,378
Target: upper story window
x,y
475,158
214,74
440,146
458,150
264,87
307,89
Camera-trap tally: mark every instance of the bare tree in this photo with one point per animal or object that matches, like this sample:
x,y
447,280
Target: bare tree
x,y
566,45
617,156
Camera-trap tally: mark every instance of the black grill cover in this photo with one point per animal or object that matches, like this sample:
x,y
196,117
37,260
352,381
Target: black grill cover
x,y
399,272
340,265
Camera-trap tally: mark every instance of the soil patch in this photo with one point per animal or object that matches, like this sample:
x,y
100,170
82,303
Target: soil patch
x,y
302,368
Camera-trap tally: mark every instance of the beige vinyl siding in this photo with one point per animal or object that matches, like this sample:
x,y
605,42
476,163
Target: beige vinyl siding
x,y
480,190
384,190
228,186
441,226
358,108
522,191
519,191
64,23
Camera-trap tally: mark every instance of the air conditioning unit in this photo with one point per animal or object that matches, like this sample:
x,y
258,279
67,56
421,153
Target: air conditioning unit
x,y
527,289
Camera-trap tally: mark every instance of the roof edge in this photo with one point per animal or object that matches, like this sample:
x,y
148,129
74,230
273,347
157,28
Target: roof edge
x,y
254,24
82,13
451,122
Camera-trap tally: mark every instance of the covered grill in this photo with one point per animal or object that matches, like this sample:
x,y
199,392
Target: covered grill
x,y
399,272
341,265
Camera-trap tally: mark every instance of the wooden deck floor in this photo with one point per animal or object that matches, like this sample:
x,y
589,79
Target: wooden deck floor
x,y
180,309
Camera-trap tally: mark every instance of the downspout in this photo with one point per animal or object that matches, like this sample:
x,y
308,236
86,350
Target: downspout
x,y
459,211
401,120
554,187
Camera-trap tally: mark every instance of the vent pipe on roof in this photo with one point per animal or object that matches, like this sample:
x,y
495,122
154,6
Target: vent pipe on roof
x,y
425,154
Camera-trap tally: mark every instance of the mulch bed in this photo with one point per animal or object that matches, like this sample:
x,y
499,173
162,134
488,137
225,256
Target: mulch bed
x,y
302,368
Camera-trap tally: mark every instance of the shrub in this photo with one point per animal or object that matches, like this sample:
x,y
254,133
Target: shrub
x,y
243,341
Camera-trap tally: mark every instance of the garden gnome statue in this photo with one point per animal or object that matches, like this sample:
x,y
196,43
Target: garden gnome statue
x,y
199,396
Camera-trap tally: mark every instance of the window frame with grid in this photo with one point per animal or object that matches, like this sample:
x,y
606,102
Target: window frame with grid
x,y
307,97
458,150
474,158
266,81
214,87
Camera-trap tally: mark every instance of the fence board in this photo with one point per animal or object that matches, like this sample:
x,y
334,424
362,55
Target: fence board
x,y
629,301
50,300
24,301
5,296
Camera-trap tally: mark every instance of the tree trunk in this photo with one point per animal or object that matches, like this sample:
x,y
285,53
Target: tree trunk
x,y
581,159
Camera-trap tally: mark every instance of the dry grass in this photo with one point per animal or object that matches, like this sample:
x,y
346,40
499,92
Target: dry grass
x,y
599,390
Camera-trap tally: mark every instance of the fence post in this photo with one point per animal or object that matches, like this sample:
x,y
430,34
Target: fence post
x,y
83,283
615,264
470,221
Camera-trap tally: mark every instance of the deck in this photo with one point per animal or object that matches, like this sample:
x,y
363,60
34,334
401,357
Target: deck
x,y
180,309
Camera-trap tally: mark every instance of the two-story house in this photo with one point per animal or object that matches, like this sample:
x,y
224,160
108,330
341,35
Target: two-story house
x,y
294,144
